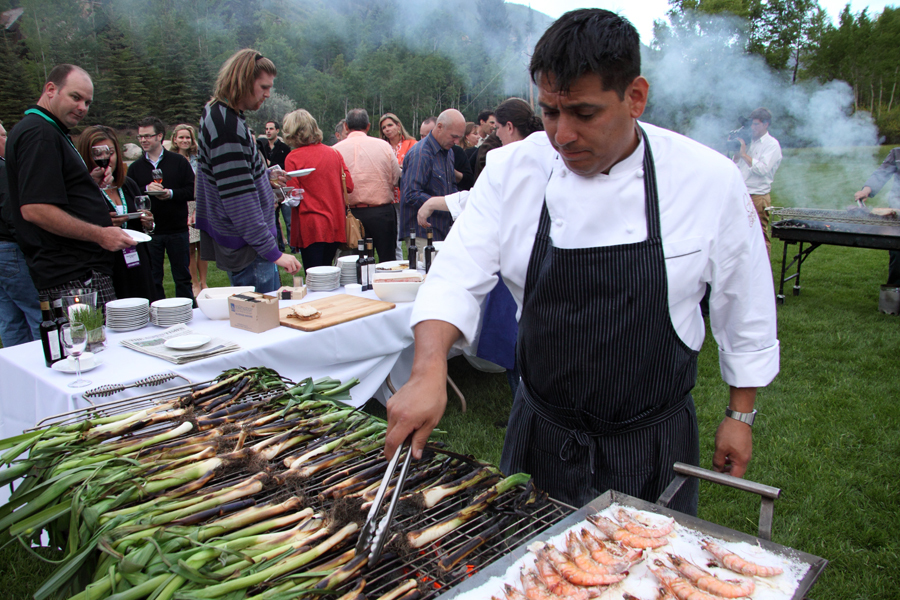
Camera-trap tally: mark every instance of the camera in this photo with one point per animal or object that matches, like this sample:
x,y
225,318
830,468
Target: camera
x,y
732,143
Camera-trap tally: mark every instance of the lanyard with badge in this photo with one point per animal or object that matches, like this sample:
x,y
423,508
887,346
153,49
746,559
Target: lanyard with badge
x,y
131,256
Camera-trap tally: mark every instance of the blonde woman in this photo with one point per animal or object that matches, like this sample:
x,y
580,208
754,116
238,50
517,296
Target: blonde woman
x,y
318,223
184,142
392,130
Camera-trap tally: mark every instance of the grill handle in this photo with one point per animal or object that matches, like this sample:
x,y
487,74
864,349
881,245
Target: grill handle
x,y
767,494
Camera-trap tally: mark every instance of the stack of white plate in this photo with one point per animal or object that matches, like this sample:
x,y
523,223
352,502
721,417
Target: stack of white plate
x,y
127,314
324,279
348,269
171,311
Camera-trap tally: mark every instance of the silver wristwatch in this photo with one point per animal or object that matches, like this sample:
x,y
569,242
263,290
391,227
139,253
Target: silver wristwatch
x,y
747,418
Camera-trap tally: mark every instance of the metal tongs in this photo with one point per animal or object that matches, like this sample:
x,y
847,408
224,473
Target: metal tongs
x,y
375,532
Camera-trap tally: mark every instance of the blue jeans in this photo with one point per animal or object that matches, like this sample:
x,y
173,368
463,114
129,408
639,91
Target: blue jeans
x,y
261,274
20,311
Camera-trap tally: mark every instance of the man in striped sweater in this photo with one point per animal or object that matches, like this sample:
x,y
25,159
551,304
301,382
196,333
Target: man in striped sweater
x,y
235,203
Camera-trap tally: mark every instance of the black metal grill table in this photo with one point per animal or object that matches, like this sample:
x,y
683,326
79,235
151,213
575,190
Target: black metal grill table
x,y
814,227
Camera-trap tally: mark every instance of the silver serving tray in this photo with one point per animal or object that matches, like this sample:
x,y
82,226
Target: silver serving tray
x,y
500,566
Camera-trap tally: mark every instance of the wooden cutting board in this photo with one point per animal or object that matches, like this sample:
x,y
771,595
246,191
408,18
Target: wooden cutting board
x,y
336,309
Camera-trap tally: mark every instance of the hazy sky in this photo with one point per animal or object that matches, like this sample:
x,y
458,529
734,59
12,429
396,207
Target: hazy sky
x,y
642,13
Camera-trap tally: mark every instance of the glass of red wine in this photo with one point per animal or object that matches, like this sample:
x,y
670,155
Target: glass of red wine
x,y
101,156
157,176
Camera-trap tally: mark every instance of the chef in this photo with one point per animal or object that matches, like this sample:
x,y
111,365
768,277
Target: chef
x,y
606,231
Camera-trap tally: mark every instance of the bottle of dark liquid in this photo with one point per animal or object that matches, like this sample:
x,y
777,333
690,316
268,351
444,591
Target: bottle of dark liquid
x,y
429,250
362,273
370,262
49,334
411,251
61,319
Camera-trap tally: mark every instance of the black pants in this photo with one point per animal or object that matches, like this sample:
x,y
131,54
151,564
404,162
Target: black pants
x,y
177,246
319,254
894,268
380,223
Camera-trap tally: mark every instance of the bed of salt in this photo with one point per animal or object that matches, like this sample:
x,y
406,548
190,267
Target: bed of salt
x,y
642,584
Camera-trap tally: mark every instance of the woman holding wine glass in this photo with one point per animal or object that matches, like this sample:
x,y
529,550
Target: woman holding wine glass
x,y
184,142
132,277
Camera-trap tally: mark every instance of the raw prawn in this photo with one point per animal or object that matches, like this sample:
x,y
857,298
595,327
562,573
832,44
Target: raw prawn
x,y
631,523
732,588
611,530
568,569
512,593
535,589
681,588
737,564
555,582
609,553
582,557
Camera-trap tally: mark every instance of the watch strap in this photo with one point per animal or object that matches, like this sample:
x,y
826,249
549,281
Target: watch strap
x,y
743,417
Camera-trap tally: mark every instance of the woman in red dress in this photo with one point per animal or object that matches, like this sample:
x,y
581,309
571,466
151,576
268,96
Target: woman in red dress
x,y
318,224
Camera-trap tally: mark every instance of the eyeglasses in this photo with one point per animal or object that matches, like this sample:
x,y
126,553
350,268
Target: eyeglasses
x,y
147,136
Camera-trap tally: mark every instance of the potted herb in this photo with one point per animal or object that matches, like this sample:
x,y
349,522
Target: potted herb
x,y
93,320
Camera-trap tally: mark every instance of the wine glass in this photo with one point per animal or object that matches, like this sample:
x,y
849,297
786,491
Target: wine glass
x,y
142,204
101,156
157,176
74,338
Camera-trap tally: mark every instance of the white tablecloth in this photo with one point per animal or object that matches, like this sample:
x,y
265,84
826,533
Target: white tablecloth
x,y
369,349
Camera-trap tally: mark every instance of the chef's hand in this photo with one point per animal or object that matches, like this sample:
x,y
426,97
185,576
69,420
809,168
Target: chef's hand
x,y
418,406
288,263
432,204
734,439
734,446
863,194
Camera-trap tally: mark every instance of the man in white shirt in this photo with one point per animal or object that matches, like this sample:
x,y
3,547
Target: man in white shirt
x,y
606,231
758,164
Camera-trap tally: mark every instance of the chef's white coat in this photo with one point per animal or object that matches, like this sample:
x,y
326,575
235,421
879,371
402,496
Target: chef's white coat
x,y
709,229
766,155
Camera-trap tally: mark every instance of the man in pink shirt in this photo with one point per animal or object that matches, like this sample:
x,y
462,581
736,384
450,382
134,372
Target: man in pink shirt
x,y
375,172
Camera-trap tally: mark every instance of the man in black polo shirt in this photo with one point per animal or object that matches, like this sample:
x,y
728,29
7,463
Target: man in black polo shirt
x,y
168,202
62,221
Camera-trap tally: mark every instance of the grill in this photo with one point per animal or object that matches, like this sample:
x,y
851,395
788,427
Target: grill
x,y
813,227
514,521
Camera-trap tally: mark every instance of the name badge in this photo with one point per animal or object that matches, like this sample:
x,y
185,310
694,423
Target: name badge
x,y
131,258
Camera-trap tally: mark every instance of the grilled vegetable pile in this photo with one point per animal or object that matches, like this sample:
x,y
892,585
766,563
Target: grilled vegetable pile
x,y
207,495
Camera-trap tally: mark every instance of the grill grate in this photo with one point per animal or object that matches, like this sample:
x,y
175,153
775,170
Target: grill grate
x,y
519,523
859,216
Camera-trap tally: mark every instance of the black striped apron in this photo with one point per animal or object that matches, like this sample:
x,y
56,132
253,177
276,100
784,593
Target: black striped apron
x,y
605,397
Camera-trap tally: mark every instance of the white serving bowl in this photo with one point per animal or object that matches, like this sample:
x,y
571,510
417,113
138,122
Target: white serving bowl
x,y
213,302
396,291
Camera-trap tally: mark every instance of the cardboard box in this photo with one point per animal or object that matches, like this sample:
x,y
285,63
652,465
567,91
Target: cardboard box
x,y
252,311
291,293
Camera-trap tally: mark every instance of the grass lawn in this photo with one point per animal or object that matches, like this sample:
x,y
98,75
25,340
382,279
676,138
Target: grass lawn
x,y
828,430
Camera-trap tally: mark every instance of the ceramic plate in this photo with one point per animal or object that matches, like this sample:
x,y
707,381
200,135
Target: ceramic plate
x,y
300,172
137,235
64,366
187,342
